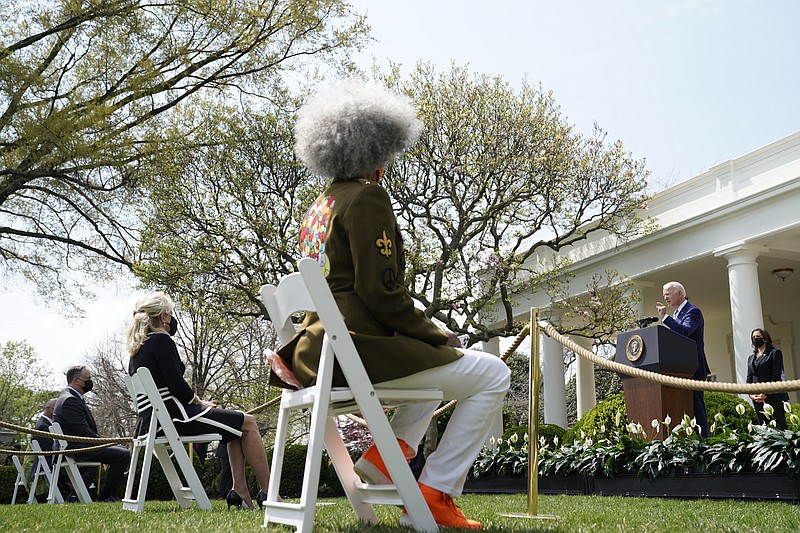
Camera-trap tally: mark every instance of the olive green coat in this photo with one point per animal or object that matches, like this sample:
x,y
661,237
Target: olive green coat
x,y
352,232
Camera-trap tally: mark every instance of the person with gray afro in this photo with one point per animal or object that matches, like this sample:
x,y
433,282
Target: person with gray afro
x,y
350,133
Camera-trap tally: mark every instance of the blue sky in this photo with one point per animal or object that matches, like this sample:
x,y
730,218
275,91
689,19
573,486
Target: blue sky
x,y
685,85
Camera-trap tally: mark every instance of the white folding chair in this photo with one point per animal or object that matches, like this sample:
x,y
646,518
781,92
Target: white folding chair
x,y
66,460
307,290
161,437
22,480
42,470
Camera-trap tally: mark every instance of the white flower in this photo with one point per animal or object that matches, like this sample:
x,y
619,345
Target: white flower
x,y
589,442
794,419
689,431
500,441
527,438
667,421
787,407
602,428
719,418
693,422
514,438
740,408
768,410
655,424
492,441
555,439
713,427
749,427
617,417
541,443
583,435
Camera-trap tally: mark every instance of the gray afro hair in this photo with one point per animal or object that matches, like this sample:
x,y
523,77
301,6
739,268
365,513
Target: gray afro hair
x,y
353,128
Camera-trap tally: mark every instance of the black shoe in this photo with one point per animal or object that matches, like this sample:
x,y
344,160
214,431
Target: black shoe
x,y
234,500
72,498
111,499
261,497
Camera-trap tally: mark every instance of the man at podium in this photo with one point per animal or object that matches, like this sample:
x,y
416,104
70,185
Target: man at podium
x,y
688,321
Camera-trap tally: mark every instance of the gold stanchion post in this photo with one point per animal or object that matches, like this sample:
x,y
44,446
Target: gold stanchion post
x,y
533,425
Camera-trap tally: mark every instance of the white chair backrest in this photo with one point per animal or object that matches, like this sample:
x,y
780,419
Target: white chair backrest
x,y
288,298
58,444
307,290
143,389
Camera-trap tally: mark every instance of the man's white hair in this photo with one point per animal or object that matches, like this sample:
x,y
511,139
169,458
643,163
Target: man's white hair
x,y
675,285
353,128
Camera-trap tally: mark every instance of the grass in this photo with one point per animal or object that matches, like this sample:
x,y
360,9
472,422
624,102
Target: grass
x,y
573,514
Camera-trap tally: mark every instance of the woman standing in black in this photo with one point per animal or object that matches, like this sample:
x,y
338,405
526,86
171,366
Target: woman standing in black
x,y
150,345
766,364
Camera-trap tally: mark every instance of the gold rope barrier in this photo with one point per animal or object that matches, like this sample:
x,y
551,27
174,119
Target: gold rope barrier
x,y
69,438
679,383
451,404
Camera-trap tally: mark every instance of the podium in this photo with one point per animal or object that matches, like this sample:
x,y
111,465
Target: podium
x,y
657,349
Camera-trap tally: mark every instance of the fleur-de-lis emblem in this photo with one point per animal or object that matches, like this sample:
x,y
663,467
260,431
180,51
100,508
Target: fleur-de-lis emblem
x,y
385,245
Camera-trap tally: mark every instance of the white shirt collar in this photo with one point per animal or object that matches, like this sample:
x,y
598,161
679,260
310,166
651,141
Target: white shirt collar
x,y
678,309
76,392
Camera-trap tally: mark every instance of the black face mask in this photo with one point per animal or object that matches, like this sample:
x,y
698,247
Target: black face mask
x,y
758,342
173,326
88,385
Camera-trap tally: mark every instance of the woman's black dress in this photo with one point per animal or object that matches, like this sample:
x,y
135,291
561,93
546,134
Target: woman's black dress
x,y
159,354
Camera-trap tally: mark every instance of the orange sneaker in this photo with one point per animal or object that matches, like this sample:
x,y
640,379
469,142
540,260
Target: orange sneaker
x,y
371,468
444,510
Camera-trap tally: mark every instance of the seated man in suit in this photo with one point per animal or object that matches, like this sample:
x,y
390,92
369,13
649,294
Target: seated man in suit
x,y
43,424
76,419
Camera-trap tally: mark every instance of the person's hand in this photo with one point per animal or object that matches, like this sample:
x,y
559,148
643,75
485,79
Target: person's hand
x,y
758,397
661,309
208,403
452,340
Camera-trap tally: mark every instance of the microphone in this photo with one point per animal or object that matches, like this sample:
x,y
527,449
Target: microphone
x,y
643,322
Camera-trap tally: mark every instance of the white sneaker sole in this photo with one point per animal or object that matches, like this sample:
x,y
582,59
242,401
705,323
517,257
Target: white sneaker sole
x,y
370,474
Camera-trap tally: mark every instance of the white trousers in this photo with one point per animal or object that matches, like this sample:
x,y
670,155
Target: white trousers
x,y
479,382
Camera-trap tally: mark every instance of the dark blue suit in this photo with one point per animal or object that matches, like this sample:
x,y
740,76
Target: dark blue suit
x,y
689,323
76,419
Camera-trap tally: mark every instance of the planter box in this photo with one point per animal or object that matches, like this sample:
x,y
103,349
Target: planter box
x,y
753,486
517,485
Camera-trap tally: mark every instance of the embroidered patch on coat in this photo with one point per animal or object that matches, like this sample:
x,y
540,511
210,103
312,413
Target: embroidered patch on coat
x,y
389,279
314,229
384,245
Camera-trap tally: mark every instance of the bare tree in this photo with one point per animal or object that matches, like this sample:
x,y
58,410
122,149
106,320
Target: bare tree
x,y
87,92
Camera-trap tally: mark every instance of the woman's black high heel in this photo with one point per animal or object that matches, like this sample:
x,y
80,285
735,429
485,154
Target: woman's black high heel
x,y
233,500
261,497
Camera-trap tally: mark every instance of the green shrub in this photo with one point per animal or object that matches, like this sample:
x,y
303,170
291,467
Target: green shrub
x,y
725,404
294,462
8,476
601,421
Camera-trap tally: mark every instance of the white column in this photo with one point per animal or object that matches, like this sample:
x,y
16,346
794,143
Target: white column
x,y
555,393
745,295
584,379
492,346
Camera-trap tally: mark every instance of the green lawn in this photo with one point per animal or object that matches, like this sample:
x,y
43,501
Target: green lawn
x,y
573,514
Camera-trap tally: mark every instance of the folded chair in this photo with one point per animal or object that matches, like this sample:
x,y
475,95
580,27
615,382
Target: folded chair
x,y
42,470
307,290
67,461
161,437
22,480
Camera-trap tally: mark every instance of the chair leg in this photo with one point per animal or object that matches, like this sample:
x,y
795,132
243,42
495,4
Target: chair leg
x,y
137,505
343,465
76,478
171,474
51,494
192,479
